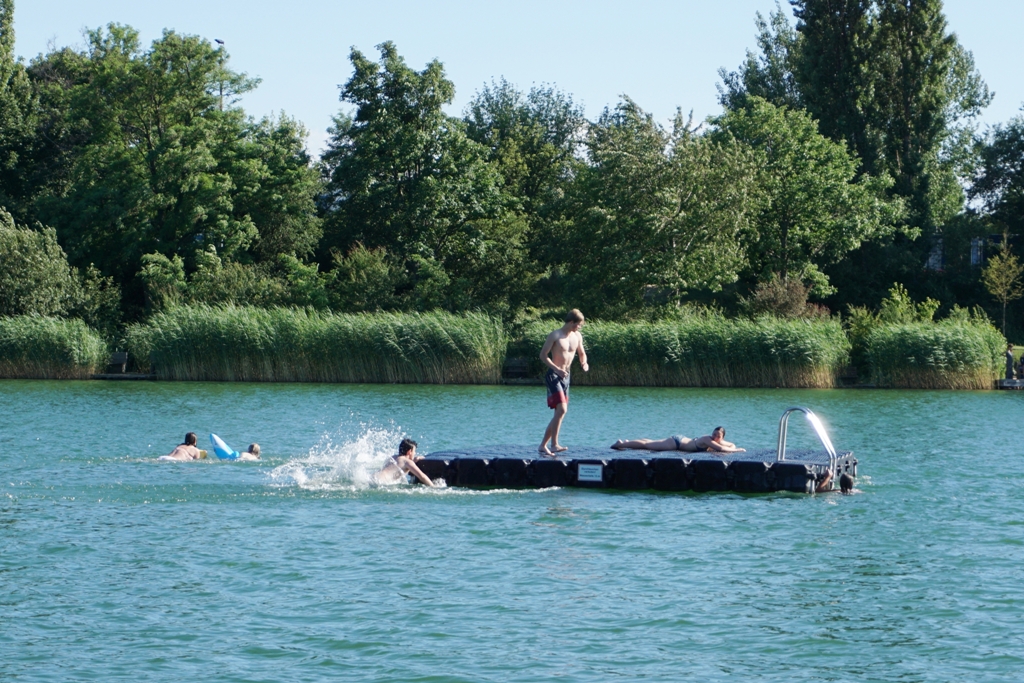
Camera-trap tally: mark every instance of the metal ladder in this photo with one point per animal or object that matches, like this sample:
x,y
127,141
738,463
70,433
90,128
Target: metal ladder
x,y
819,429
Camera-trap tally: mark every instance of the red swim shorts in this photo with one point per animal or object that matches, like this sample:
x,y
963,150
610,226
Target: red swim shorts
x,y
558,388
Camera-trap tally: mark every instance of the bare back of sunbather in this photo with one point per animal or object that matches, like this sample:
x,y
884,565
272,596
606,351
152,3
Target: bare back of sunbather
x,y
710,442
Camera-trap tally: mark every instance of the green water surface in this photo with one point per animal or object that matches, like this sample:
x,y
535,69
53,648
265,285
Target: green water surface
x,y
114,566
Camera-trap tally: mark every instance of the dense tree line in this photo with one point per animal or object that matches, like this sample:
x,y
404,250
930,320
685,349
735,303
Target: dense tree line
x,y
889,80
845,157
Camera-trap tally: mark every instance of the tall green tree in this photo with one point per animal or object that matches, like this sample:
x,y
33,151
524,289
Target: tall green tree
x,y
404,177
143,159
656,213
59,137
402,174
924,96
886,77
534,139
832,68
999,183
815,208
146,179
924,90
770,75
890,80
18,105
275,186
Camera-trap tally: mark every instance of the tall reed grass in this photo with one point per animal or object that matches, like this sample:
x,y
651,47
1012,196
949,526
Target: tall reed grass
x,y
709,350
950,354
37,347
303,345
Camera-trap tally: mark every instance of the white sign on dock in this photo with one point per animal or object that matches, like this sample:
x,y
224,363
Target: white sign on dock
x,y
590,473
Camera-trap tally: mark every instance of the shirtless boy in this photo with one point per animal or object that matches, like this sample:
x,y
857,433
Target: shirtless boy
x,y
397,467
185,451
559,350
713,442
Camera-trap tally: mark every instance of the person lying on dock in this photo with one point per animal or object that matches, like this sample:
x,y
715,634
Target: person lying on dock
x,y
252,454
713,442
397,467
186,450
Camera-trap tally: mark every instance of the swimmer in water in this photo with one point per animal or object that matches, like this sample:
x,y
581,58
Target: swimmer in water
x,y
713,442
398,466
845,484
185,451
252,454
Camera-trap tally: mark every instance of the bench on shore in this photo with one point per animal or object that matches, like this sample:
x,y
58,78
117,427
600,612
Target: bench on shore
x,y
117,368
118,362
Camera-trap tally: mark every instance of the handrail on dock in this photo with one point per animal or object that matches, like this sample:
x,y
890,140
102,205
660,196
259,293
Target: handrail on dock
x,y
819,429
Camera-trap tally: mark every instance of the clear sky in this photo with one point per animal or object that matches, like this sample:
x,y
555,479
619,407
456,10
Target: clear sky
x,y
664,54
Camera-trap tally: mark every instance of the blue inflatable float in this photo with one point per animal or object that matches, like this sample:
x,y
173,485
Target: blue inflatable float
x,y
222,450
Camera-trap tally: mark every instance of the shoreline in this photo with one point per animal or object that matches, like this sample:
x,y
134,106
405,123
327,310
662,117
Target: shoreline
x,y
997,385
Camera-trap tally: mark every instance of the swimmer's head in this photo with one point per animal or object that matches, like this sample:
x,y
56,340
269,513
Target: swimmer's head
x,y
718,434
574,316
846,483
190,439
254,448
407,446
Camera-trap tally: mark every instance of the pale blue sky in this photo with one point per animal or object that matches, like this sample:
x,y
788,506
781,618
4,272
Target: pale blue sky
x,y
663,54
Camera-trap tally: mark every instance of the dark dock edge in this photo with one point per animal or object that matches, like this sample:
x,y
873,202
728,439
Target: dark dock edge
x,y
699,473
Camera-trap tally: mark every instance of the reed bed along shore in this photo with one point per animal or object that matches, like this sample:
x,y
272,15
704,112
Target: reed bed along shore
x,y
228,343
709,351
302,345
36,347
943,355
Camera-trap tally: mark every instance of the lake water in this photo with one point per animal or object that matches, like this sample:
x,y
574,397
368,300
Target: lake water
x,y
114,566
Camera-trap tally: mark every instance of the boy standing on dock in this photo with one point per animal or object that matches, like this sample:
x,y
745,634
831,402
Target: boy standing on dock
x,y
559,350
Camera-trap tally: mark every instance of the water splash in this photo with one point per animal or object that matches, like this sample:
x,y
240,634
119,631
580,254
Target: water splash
x,y
339,463
336,462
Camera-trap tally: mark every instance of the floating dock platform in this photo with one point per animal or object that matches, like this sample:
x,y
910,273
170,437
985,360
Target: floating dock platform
x,y
752,471
520,467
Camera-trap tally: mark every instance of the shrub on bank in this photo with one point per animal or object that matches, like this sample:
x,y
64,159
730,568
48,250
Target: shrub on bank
x,y
38,347
950,354
710,351
304,345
